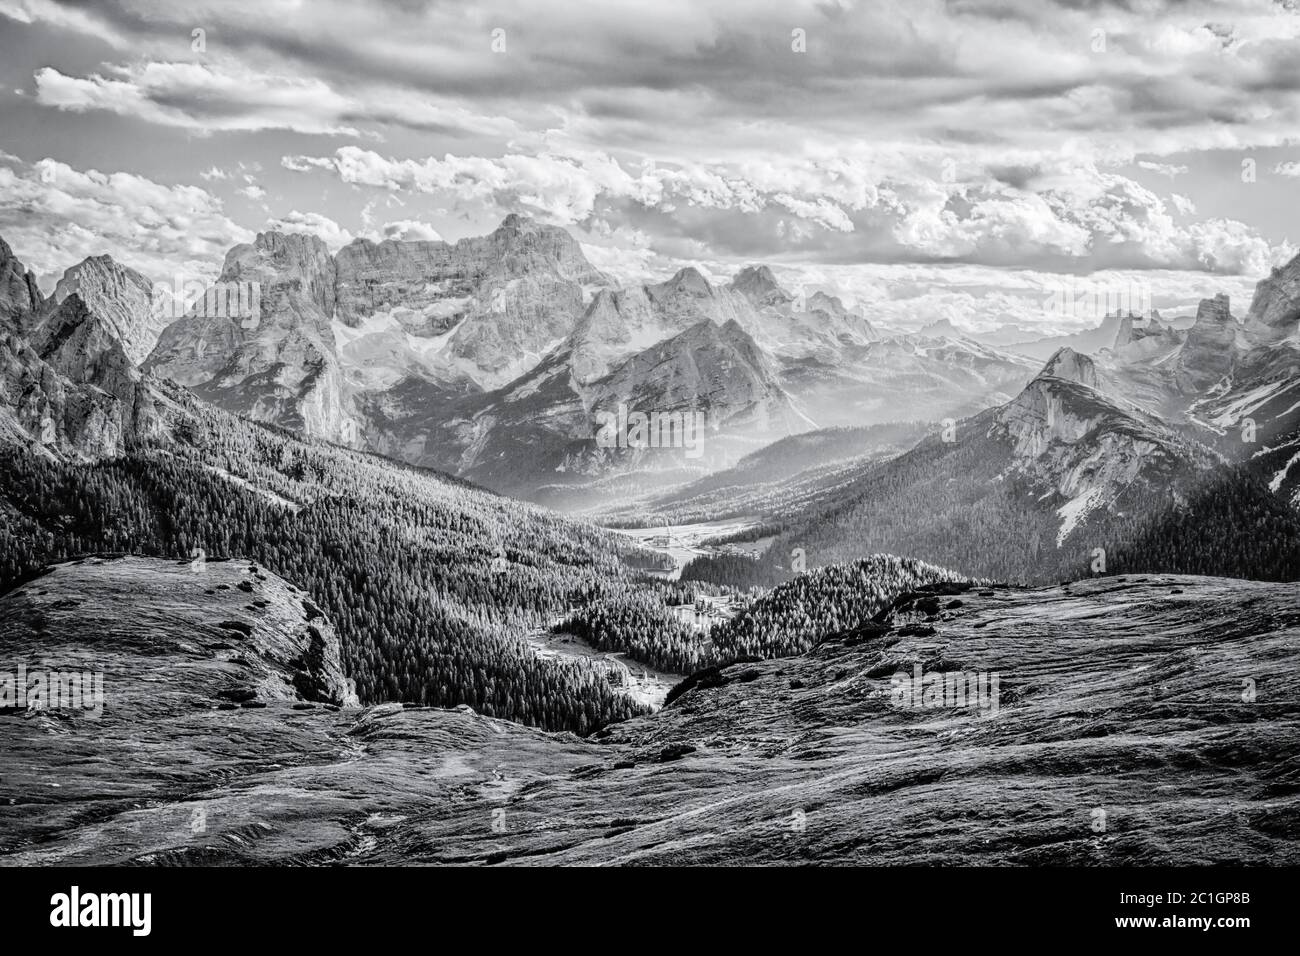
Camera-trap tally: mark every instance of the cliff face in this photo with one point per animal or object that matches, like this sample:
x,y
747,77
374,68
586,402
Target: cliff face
x,y
278,362
19,294
122,298
67,383
472,315
1069,437
499,300
1277,299
1209,351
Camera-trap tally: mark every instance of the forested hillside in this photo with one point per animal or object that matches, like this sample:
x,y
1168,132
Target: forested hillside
x,y
965,506
794,616
429,582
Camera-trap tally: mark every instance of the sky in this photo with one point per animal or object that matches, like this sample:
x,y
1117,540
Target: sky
x,y
922,159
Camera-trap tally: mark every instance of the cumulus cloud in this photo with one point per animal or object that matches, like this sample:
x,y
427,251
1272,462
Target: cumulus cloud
x,y
329,231
1163,169
230,97
409,229
54,216
701,132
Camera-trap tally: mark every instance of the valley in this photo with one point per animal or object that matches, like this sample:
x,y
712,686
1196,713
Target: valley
x,y
681,543
407,567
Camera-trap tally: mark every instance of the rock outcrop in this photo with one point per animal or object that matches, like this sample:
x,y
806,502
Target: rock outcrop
x,y
122,298
278,363
20,296
1069,438
1209,351
501,300
67,385
1277,299
1115,693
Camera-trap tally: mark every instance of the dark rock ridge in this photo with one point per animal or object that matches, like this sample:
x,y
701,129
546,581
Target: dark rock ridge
x,y
1208,352
67,384
19,294
1139,721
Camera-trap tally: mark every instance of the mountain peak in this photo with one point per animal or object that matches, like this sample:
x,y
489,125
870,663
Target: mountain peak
x,y
689,279
941,328
1216,311
1277,298
1209,351
759,286
516,222
1072,366
19,294
120,297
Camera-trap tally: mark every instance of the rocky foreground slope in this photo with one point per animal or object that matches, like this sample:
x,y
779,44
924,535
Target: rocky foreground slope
x,y
1140,720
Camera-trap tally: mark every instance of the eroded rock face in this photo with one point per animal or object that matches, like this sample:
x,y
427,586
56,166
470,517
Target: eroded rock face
x,y
1142,339
19,294
67,385
1124,693
121,297
1210,350
1069,438
279,362
501,300
1277,299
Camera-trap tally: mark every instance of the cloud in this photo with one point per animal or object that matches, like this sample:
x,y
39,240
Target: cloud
x,y
1066,212
409,229
197,98
229,97
1287,169
988,132
54,216
330,232
1163,169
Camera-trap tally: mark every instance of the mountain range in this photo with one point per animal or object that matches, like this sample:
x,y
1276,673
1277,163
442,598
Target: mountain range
x,y
1167,448
242,498
497,359
450,355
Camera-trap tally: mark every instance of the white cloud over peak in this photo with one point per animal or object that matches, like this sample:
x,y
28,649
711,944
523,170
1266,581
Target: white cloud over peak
x,y
53,216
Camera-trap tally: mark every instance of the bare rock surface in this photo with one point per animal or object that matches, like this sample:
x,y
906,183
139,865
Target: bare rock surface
x,y
122,297
1140,721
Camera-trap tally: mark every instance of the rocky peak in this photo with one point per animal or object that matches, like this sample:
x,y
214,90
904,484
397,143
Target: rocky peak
x,y
290,262
1072,366
1209,351
1277,298
1214,312
521,246
759,286
120,297
687,281
19,294
85,347
941,328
